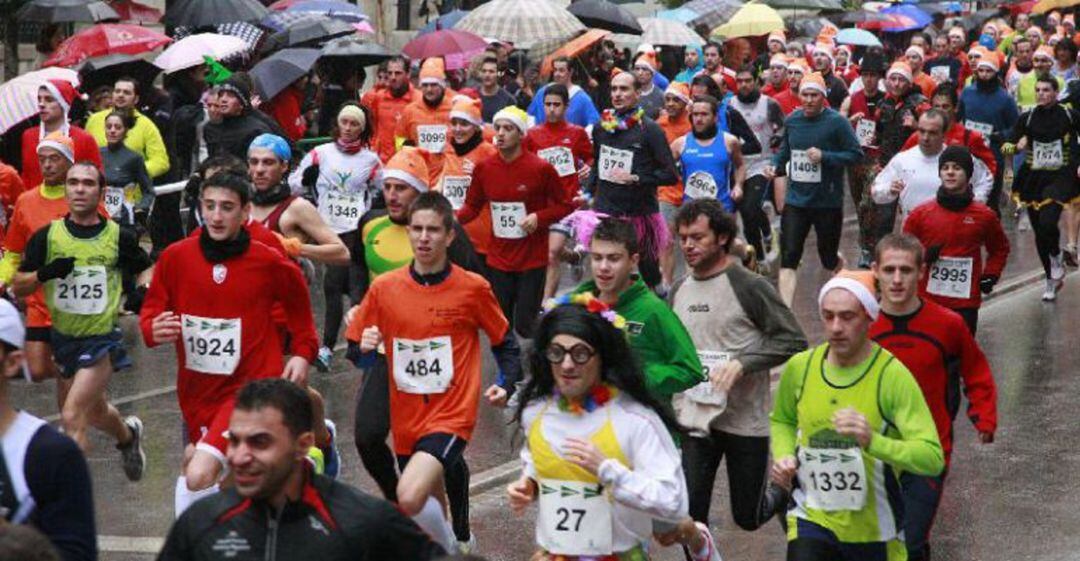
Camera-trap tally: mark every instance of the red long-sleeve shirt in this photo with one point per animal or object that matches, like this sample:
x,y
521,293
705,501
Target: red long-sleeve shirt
x,y
566,135
961,233
285,108
936,346
244,288
957,135
86,148
526,179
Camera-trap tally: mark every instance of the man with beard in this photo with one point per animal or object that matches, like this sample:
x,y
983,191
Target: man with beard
x,y
709,158
425,122
824,61
581,111
1042,61
986,107
388,104
694,61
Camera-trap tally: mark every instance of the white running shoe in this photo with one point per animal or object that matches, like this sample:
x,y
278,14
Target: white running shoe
x,y
1057,269
1052,288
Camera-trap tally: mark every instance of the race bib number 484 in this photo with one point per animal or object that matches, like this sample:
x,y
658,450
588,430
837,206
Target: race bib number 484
x,y
423,366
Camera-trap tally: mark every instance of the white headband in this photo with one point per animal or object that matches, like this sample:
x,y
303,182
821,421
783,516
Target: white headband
x,y
858,289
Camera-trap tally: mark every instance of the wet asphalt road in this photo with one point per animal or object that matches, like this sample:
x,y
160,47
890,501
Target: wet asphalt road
x,y
1003,501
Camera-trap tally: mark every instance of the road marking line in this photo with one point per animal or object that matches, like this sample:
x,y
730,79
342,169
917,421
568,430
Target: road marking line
x,y
130,544
128,399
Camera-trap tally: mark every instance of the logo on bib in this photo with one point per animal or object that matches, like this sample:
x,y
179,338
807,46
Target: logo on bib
x,y
219,273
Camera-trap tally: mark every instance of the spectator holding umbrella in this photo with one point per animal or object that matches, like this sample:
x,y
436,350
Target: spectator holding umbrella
x,y
55,98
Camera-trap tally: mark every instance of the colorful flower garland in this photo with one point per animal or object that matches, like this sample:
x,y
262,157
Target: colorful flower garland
x,y
597,397
591,303
612,122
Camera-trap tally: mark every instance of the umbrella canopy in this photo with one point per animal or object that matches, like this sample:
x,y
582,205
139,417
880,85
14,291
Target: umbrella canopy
x,y
273,74
973,21
824,5
682,14
456,47
859,37
602,14
312,32
134,12
574,48
668,32
65,11
921,18
106,39
711,13
522,22
863,16
207,13
18,96
331,8
750,21
355,51
105,70
190,50
445,21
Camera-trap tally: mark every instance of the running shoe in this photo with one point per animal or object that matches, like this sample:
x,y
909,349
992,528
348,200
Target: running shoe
x,y
1069,256
134,459
1057,270
1052,288
333,457
324,359
467,547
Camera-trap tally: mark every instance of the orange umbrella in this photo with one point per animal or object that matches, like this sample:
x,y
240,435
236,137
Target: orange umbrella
x,y
573,48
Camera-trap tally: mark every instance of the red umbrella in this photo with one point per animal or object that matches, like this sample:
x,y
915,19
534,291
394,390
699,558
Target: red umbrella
x,y
282,5
106,39
135,12
456,46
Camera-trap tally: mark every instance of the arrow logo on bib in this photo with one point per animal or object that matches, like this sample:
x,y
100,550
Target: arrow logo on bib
x,y
547,489
568,492
591,492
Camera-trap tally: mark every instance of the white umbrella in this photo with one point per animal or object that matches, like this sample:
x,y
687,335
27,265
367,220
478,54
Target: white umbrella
x,y
18,96
522,22
668,32
189,51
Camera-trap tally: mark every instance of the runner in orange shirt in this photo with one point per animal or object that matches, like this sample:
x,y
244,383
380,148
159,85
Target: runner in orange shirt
x,y
425,123
389,103
466,147
675,122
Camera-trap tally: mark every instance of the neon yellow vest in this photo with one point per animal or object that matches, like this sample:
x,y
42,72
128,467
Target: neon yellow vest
x,y
87,301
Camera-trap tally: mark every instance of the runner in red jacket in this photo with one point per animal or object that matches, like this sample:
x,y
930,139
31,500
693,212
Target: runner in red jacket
x,y
931,341
955,229
945,99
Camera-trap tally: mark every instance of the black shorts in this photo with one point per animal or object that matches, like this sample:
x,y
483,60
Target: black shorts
x,y
447,448
75,353
39,334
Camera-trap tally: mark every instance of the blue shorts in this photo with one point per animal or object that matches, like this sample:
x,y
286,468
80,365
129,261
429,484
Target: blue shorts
x,y
75,353
816,543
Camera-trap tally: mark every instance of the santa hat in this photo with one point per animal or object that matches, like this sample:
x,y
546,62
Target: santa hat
x,y
515,115
859,284
63,92
467,110
915,50
777,36
798,65
647,60
813,81
679,90
779,59
824,48
901,68
61,143
408,166
433,71
1044,51
646,48
989,60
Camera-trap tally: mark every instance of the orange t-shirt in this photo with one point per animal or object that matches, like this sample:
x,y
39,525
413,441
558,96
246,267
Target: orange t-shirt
x,y
387,110
479,230
416,318
672,194
435,121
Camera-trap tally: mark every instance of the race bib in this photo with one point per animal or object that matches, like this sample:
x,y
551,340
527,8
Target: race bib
x,y
506,220
342,210
423,366
802,169
114,201
211,345
701,185
612,159
431,137
833,478
84,291
704,392
575,518
454,188
561,158
865,131
951,277
940,73
1047,155
982,128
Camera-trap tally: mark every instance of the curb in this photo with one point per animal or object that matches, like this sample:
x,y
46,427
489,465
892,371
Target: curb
x,y
1014,285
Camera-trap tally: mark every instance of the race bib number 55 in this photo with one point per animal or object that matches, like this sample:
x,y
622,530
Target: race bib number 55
x,y
211,345
423,366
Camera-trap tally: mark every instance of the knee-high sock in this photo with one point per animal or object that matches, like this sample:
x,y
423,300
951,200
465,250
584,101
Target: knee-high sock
x,y
186,497
431,520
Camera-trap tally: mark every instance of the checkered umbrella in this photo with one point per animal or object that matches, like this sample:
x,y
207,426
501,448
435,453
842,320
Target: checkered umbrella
x,y
522,22
668,32
712,13
250,33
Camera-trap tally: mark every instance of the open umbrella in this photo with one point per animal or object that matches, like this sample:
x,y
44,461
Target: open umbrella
x,y
682,14
207,13
858,37
190,50
134,12
602,14
335,9
668,32
105,70
863,16
357,52
106,39
711,13
750,21
18,96
455,46
920,18
309,33
445,21
522,22
65,11
574,48
823,5
273,74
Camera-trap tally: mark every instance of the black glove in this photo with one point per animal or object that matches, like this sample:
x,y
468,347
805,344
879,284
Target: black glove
x,y
775,141
986,283
56,269
932,254
311,176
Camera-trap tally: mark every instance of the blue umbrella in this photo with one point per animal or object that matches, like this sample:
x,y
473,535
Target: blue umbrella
x,y
921,18
681,15
859,37
445,21
333,8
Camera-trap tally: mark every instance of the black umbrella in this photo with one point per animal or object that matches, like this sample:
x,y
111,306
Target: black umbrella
x,y
975,20
61,11
863,16
355,51
308,33
205,13
104,70
603,14
286,66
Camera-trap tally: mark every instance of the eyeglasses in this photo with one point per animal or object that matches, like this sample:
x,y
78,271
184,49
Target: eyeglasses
x,y
579,353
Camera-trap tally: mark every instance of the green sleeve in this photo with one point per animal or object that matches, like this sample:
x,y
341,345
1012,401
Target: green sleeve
x,y
784,420
671,364
9,264
913,445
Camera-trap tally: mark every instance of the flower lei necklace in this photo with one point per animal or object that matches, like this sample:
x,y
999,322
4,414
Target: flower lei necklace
x,y
591,303
612,122
597,397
